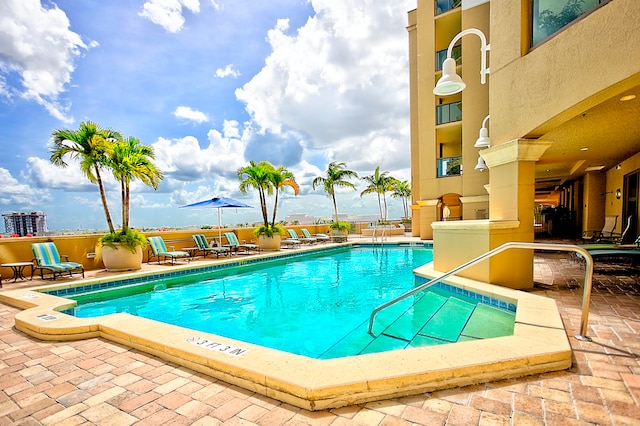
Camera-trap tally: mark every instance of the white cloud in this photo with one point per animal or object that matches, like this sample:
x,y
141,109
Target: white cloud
x,y
227,71
16,193
44,174
342,79
36,43
183,159
190,114
216,5
168,13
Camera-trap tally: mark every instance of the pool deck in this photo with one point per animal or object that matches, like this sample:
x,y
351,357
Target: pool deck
x,y
96,381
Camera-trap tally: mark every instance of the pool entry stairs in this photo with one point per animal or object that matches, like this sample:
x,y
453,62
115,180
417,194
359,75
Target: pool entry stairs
x,y
434,318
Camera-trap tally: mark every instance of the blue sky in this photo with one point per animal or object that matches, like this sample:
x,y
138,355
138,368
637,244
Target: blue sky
x,y
210,85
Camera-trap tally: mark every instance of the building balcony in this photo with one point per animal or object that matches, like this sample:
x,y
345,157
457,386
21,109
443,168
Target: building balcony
x,y
449,166
449,113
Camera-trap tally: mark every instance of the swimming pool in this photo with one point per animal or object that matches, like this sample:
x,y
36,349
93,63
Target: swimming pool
x,y
317,306
539,342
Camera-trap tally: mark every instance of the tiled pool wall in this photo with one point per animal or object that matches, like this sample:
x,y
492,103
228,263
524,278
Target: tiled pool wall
x,y
480,298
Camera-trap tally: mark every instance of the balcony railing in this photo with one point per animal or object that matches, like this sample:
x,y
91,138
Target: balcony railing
x,y
443,6
441,55
449,166
448,113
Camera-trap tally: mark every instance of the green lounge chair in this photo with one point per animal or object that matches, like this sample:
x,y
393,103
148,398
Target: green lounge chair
x,y
319,237
46,257
205,248
290,243
157,248
294,235
235,245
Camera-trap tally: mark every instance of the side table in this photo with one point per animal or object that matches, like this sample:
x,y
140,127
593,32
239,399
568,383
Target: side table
x,y
18,269
193,251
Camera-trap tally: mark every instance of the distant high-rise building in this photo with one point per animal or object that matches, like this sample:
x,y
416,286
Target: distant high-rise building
x,y
21,224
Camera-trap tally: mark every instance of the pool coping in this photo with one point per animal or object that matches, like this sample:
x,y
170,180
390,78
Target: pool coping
x,y
539,344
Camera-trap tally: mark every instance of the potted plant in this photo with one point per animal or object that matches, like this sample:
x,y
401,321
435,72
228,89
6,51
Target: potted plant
x,y
340,229
99,149
268,180
269,237
128,159
123,250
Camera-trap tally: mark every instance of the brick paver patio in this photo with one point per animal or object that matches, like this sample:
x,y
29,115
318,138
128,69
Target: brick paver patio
x,y
98,382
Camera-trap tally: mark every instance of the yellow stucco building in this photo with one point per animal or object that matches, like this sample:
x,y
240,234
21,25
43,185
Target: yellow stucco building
x,y
561,107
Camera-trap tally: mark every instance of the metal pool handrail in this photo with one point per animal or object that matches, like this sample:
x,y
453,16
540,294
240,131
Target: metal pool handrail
x,y
588,278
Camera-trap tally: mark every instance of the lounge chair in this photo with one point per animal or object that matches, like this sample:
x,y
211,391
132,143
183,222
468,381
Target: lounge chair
x,y
613,253
290,243
294,235
206,248
616,241
319,237
46,257
235,245
157,248
629,260
605,233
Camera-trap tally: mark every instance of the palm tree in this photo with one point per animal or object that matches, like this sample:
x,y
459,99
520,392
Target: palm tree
x,y
266,178
258,176
282,177
380,183
337,176
132,160
91,146
402,189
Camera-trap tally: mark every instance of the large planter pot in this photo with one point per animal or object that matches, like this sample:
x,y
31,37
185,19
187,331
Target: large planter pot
x,y
269,243
117,258
339,235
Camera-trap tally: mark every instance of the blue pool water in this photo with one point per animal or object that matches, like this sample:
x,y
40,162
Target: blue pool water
x,y
316,306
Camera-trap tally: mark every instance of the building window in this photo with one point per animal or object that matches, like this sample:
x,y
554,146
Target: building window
x,y
550,16
449,166
448,113
441,55
443,6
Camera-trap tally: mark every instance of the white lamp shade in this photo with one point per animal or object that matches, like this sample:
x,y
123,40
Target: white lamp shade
x,y
481,164
450,83
483,140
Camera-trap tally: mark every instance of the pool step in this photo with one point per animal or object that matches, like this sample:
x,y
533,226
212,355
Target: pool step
x,y
429,321
409,323
447,324
396,328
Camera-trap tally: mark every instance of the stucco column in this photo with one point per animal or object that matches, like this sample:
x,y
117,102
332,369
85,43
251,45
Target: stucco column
x,y
427,213
512,179
511,215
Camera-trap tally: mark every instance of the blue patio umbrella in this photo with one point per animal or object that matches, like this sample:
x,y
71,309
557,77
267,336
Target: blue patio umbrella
x,y
217,203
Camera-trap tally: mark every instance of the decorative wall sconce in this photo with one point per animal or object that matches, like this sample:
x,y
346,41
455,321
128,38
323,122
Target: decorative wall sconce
x,y
483,140
451,83
618,194
481,166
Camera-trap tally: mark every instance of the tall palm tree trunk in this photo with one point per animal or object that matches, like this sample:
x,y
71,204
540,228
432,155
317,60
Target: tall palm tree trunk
x,y
103,196
335,204
123,203
263,204
386,211
275,208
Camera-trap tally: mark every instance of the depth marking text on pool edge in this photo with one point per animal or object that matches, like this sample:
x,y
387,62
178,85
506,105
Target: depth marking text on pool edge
x,y
216,346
